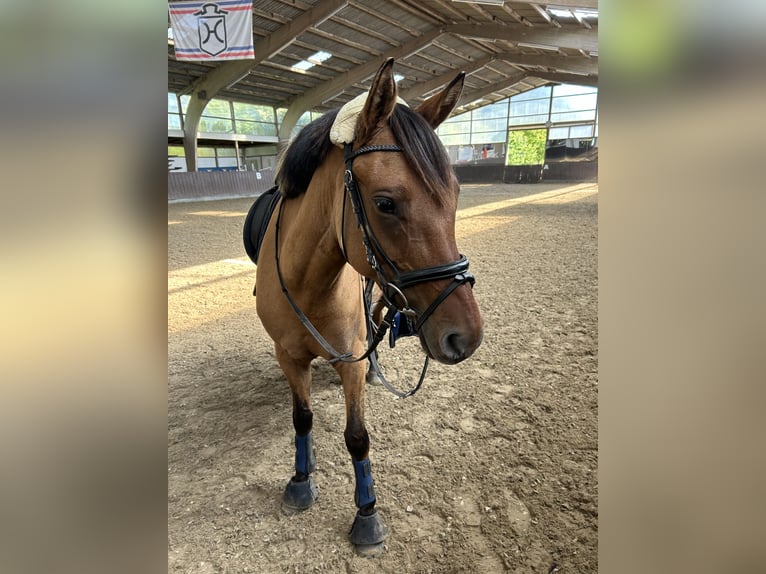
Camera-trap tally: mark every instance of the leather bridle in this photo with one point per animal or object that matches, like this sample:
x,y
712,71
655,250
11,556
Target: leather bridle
x,y
392,283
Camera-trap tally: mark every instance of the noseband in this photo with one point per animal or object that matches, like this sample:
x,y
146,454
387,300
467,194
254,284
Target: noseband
x,y
392,284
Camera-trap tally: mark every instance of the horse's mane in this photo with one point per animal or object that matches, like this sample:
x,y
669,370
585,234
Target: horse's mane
x,y
421,148
304,155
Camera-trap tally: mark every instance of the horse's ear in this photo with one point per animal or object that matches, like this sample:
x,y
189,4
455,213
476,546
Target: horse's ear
x,y
438,107
380,103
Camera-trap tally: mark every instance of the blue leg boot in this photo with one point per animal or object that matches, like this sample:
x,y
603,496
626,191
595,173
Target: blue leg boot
x,y
368,531
301,492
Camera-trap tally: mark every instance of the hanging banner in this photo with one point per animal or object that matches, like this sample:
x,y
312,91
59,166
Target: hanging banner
x,y
213,30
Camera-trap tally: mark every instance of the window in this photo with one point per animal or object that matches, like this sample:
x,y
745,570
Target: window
x,y
581,131
529,107
217,118
478,135
172,103
458,139
528,111
304,120
253,113
174,122
256,128
254,120
497,110
572,89
488,137
481,134
574,103
558,133
465,117
543,92
455,128
174,114
217,108
489,125
573,116
215,125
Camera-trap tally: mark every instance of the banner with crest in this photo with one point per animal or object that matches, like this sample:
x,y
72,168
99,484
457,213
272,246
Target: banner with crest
x,y
212,30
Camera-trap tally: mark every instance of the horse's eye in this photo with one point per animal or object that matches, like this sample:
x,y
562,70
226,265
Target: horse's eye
x,y
385,205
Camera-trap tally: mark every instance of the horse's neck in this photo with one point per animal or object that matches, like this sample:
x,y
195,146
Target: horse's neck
x,y
311,253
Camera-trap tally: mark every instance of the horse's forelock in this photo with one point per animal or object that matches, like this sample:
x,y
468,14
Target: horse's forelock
x,y
423,150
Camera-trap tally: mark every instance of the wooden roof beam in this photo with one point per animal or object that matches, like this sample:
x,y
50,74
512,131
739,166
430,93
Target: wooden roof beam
x,y
590,4
473,95
579,40
561,38
323,92
565,64
419,91
516,16
564,78
544,13
583,22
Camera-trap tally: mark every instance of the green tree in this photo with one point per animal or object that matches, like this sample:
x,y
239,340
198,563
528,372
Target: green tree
x,y
526,147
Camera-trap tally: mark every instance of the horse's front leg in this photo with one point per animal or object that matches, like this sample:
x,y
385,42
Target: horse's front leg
x,y
301,492
368,530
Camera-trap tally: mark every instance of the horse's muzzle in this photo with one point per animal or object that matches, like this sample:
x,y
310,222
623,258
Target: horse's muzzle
x,y
457,347
453,344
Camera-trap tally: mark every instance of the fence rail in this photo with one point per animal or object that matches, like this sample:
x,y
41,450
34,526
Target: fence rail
x,y
197,186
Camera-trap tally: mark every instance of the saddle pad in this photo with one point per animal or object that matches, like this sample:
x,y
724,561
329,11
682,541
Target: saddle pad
x,y
257,221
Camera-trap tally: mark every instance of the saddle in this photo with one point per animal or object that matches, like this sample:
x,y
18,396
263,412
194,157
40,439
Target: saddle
x,y
257,221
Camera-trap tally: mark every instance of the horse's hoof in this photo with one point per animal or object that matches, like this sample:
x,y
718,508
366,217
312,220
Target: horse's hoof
x,y
368,533
369,550
299,496
372,378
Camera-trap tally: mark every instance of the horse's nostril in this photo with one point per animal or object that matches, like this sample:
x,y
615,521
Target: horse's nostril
x,y
454,345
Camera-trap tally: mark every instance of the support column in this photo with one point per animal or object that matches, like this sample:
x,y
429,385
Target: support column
x,y
191,124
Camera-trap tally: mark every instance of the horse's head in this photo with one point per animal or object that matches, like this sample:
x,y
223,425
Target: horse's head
x,y
409,199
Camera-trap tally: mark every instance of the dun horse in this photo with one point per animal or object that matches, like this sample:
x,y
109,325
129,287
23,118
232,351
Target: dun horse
x,y
380,205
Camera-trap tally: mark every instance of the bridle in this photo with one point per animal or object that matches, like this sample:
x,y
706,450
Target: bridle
x,y
392,283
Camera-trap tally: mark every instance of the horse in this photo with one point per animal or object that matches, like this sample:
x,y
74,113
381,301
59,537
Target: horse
x,y
380,209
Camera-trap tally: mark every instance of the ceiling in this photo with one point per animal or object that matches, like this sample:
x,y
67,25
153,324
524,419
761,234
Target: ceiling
x,y
504,47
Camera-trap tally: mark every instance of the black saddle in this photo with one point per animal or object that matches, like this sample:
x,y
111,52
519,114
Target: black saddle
x,y
257,221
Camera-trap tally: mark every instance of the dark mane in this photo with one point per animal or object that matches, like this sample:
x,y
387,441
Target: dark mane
x,y
421,146
303,156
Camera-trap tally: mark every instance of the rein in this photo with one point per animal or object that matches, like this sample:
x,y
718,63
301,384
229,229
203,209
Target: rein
x,y
392,287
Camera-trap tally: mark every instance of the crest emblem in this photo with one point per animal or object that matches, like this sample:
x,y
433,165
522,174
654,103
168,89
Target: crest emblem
x,y
211,22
